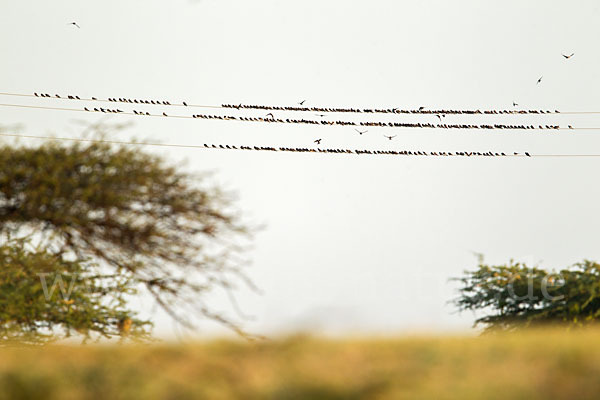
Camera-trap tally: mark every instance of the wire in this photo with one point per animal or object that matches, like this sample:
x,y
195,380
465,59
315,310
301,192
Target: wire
x,y
378,124
286,149
302,108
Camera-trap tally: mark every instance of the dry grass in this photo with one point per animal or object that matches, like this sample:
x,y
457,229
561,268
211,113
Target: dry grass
x,y
543,364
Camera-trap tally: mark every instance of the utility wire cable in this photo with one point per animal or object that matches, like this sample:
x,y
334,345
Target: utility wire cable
x,y
421,110
287,149
379,124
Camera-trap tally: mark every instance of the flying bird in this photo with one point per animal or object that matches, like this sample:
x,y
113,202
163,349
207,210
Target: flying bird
x,y
390,137
539,80
514,104
318,141
320,115
360,132
569,56
74,24
270,114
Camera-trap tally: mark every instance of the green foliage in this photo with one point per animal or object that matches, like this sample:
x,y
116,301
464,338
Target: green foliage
x,y
515,295
44,296
130,213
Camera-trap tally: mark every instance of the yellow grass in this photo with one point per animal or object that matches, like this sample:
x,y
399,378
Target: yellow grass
x,y
541,364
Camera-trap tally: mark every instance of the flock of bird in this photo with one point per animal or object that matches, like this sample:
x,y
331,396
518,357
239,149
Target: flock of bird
x,y
420,110
382,152
379,124
270,117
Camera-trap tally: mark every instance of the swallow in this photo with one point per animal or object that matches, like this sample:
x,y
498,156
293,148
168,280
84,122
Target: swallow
x,y
302,102
185,104
165,114
74,24
570,126
360,132
527,154
389,137
539,80
569,56
318,141
421,108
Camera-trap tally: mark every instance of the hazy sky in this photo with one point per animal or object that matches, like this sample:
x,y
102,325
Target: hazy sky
x,y
353,243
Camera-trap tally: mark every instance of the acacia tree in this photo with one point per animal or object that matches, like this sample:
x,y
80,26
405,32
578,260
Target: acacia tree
x,y
44,296
100,210
515,295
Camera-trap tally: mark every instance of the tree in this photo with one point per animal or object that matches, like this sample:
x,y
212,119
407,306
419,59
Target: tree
x,y
121,212
516,295
44,296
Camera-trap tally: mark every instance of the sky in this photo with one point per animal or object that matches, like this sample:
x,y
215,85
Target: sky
x,y
352,244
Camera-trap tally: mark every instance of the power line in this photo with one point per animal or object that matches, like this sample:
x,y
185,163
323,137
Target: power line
x,y
374,110
378,124
288,149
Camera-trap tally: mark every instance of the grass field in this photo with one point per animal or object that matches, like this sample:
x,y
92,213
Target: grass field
x,y
543,364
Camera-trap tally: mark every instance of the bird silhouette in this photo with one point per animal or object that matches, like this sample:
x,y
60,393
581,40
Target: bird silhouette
x,y
165,114
539,80
569,56
185,104
360,132
270,114
390,137
421,108
74,24
320,115
302,102
527,154
514,104
318,141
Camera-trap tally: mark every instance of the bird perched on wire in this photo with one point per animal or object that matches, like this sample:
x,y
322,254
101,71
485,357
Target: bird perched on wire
x,y
302,102
539,80
421,108
318,141
165,114
389,137
569,56
360,132
74,24
185,104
